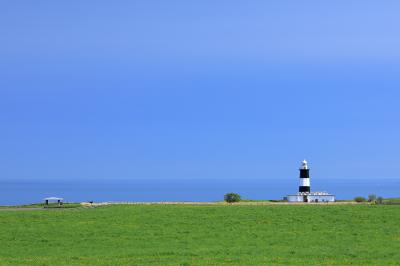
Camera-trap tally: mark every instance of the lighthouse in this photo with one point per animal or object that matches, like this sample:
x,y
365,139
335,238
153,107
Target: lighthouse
x,y
305,194
304,177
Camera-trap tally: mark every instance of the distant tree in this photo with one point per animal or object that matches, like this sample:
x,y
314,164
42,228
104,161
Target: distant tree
x,y
379,200
372,198
359,199
232,197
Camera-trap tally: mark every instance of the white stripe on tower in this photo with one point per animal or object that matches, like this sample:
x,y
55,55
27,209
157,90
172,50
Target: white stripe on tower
x,y
305,182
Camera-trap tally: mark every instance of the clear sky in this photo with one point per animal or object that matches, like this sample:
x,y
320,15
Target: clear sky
x,y
199,89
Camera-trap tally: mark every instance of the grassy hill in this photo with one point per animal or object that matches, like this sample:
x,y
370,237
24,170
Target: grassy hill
x,y
203,235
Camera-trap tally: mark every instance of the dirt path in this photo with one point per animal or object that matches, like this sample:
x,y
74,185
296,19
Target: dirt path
x,y
86,205
21,209
98,204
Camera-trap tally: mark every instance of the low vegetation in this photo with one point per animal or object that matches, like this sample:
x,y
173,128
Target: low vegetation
x,y
360,199
232,197
203,235
391,201
373,199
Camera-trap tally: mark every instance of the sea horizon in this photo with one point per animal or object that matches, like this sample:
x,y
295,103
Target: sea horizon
x,y
20,191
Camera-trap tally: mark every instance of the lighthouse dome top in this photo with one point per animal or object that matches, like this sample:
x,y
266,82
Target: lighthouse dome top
x,y
304,165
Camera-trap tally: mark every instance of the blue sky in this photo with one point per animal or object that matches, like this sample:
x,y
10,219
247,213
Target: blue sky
x,y
206,89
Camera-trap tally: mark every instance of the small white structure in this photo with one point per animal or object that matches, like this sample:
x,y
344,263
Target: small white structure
x,y
311,197
48,200
305,194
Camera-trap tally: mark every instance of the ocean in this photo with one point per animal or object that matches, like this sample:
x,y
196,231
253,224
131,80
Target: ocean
x,y
26,192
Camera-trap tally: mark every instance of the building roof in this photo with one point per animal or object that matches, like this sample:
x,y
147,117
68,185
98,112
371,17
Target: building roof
x,y
53,198
317,193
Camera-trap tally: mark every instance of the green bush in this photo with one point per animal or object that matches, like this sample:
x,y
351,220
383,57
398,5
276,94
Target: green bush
x,y
232,197
359,199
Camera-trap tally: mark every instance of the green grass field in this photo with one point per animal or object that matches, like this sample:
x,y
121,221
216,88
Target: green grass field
x,y
203,235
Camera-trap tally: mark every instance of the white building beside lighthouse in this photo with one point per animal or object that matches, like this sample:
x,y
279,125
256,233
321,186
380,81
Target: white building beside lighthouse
x,y
305,194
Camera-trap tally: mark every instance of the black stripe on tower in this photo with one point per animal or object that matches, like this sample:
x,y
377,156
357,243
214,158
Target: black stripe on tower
x,y
304,189
304,173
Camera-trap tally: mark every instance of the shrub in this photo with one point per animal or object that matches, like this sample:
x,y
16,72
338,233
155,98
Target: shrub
x,y
232,197
359,199
372,198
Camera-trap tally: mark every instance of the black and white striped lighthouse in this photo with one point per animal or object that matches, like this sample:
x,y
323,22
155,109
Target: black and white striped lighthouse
x,y
305,194
304,177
